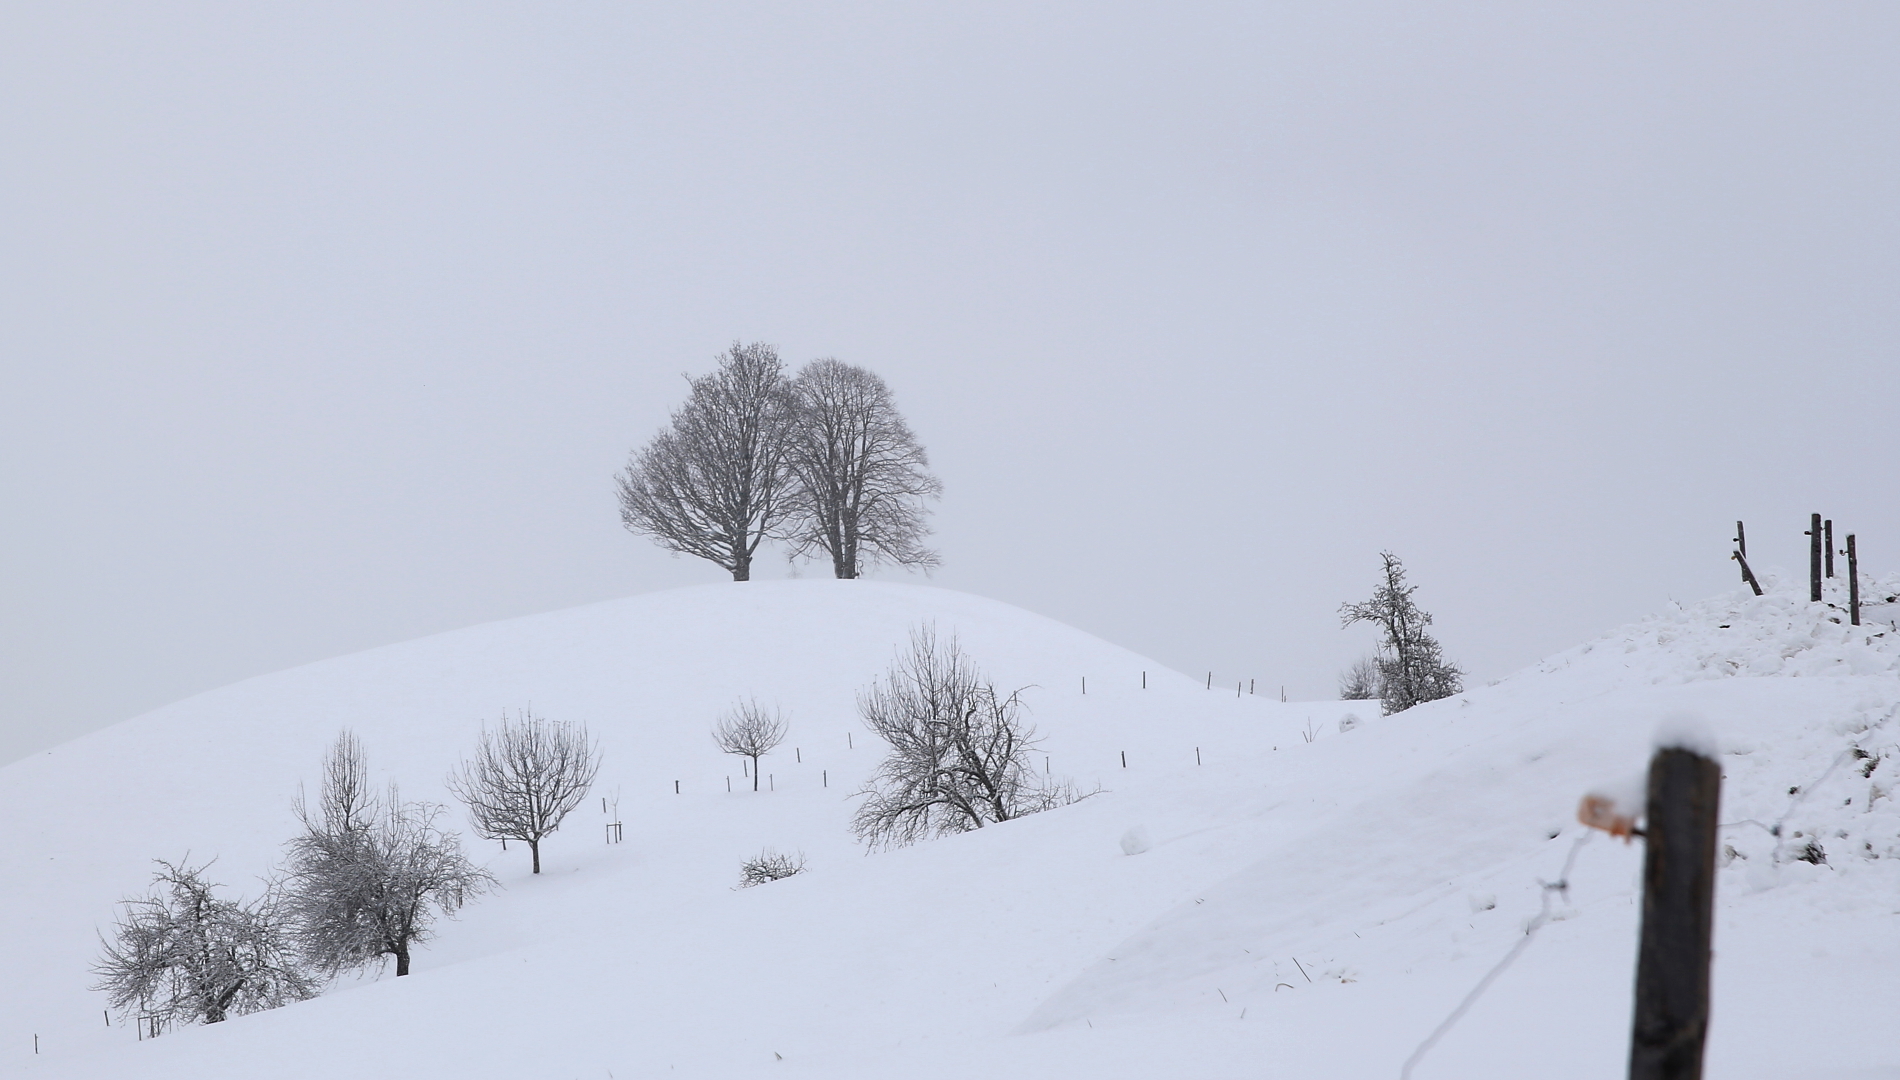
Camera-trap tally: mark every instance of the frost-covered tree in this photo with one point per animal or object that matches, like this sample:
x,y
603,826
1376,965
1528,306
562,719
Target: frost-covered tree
x,y
1412,667
750,730
526,775
369,875
715,483
959,749
184,955
861,477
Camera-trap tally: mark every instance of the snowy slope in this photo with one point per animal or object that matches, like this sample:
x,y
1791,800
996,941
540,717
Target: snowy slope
x,y
1311,907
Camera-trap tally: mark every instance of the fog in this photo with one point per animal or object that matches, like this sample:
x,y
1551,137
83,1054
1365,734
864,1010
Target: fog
x,y
328,327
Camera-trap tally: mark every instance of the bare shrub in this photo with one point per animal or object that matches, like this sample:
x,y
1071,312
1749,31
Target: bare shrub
x,y
526,775
769,865
183,955
959,756
1360,682
750,730
368,875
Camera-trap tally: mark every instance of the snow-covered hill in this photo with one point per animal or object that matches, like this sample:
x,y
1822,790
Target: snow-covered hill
x,y
1314,902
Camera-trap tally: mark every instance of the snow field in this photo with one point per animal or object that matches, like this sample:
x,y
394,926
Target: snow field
x,y
1302,907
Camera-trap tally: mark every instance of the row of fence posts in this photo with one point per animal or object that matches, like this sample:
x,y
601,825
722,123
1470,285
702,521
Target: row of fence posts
x,y
1821,554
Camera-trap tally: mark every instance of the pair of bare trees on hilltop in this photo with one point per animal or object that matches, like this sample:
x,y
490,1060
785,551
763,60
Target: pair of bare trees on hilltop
x,y
822,461
365,879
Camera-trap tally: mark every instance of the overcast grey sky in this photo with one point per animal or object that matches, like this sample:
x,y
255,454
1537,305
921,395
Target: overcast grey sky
x,y
326,326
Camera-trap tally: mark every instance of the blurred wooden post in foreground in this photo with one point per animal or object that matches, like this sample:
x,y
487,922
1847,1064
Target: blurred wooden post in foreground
x,y
1672,961
1827,532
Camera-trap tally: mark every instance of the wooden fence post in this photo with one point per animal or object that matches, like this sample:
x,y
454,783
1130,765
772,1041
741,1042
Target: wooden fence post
x,y
1741,539
1814,557
1827,529
1672,961
1853,581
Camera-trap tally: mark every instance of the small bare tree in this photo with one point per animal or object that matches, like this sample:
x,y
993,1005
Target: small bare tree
x,y
1412,667
1360,682
525,777
861,476
186,956
714,483
368,875
750,730
959,756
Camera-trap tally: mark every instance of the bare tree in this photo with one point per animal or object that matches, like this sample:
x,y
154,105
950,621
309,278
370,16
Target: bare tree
x,y
750,730
525,777
368,875
959,756
183,955
861,476
1412,667
1360,682
715,483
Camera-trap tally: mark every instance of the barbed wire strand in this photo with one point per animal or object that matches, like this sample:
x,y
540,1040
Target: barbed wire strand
x,y
1561,887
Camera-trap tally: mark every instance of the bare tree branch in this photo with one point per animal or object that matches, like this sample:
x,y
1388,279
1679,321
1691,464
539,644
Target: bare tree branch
x,y
959,756
525,777
715,484
186,956
861,476
750,730
368,876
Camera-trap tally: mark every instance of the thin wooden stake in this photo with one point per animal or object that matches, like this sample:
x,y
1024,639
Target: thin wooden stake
x,y
1747,574
824,777
1853,581
1144,680
1210,680
1672,960
799,754
1828,528
1814,558
676,787
1197,755
1741,540
1124,759
1085,685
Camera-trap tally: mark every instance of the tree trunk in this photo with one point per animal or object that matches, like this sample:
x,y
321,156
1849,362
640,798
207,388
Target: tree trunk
x,y
402,959
534,848
755,772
